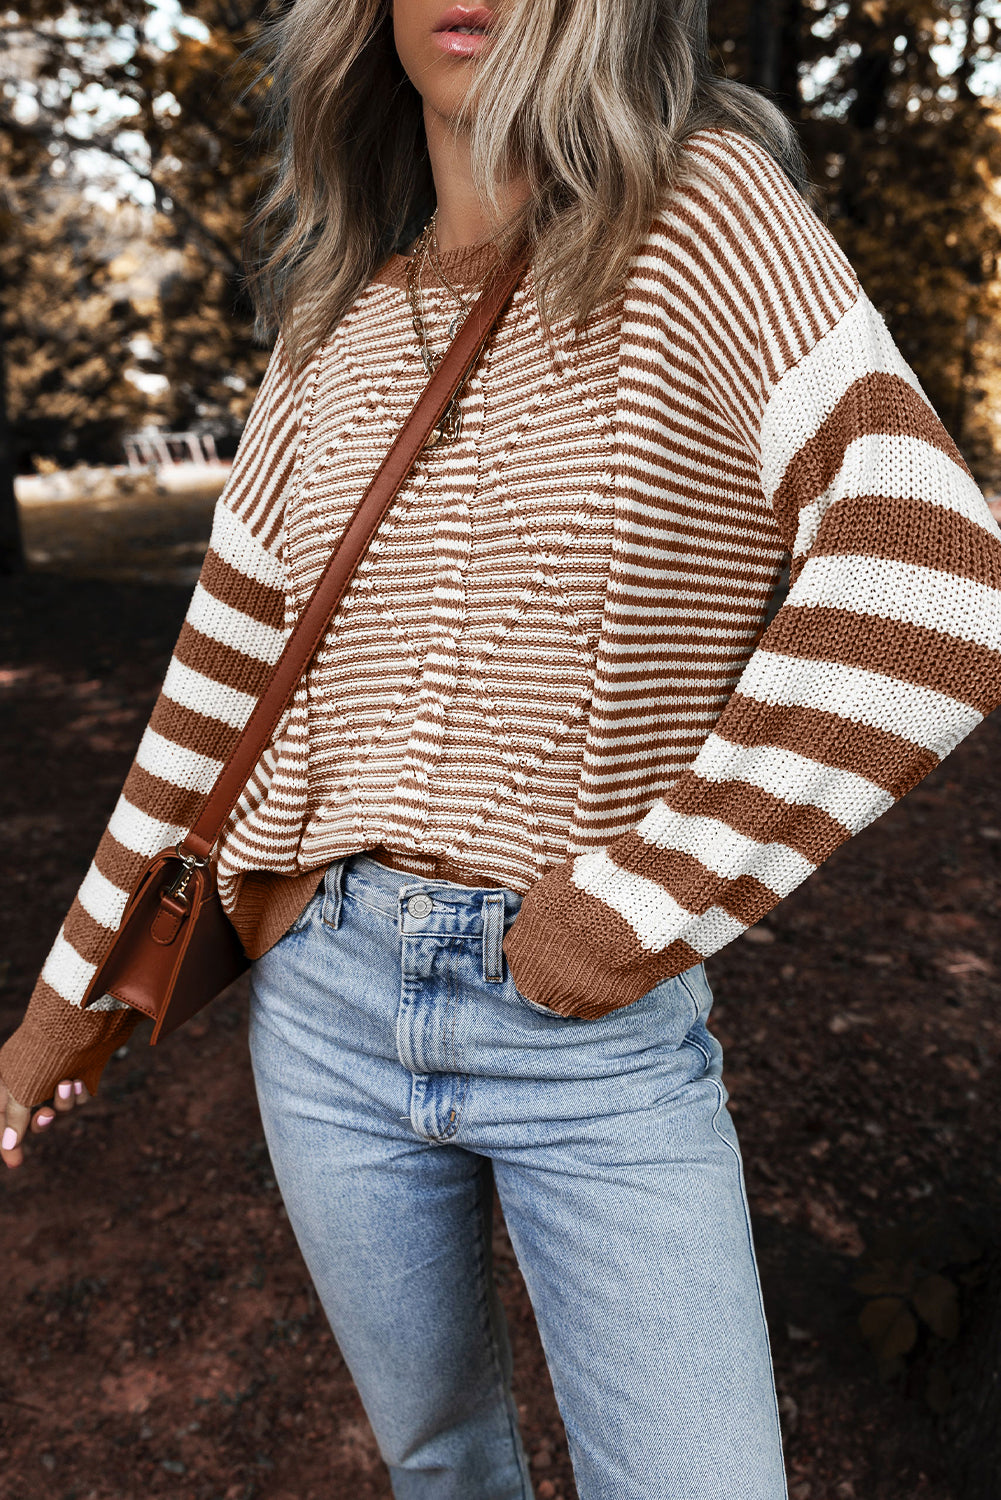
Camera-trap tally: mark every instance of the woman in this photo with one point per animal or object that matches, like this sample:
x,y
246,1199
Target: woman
x,y
548,757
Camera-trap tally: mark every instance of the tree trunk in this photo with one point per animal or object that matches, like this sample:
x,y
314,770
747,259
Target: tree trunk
x,y
870,77
957,427
965,69
11,546
774,50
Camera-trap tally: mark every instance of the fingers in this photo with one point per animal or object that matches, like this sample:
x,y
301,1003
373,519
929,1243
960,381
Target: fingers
x,y
63,1099
17,1120
69,1094
14,1123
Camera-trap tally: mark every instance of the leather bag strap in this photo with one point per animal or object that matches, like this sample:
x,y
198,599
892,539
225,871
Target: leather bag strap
x,y
312,624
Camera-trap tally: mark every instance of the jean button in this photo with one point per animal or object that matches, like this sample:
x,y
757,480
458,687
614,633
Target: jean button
x,y
420,906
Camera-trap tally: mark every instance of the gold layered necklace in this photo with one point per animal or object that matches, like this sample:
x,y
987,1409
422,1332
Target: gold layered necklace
x,y
425,252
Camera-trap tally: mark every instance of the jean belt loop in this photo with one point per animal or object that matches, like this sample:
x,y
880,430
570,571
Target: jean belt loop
x,y
333,883
493,936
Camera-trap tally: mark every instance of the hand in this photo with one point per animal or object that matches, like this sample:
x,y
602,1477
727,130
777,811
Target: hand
x,y
17,1119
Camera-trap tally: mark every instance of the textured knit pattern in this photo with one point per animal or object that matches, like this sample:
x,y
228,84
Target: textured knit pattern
x,y
444,718
762,410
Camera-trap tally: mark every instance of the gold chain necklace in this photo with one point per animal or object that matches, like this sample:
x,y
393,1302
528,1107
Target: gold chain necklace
x,y
426,250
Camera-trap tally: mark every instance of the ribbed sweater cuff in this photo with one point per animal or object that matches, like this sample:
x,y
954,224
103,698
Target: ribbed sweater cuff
x,y
551,966
32,1062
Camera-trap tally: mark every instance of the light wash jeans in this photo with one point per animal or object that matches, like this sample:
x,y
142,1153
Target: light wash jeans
x,y
396,1065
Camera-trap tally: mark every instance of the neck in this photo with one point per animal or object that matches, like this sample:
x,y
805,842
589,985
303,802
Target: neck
x,y
462,218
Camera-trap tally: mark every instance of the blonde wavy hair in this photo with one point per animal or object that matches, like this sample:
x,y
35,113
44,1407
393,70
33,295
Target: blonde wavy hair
x,y
591,100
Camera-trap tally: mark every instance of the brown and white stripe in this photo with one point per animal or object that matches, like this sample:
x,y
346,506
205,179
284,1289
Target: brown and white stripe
x,y
886,652
444,717
554,662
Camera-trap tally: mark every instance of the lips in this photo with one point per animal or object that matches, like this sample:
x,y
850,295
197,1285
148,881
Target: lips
x,y
464,32
473,18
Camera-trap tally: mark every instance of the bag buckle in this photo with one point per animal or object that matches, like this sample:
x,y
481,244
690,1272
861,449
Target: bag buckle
x,y
177,891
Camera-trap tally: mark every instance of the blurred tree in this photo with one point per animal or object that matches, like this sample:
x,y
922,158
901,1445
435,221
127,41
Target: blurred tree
x,y
94,108
199,115
909,157
69,346
913,156
883,93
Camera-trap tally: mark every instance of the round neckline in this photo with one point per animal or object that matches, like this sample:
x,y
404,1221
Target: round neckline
x,y
464,265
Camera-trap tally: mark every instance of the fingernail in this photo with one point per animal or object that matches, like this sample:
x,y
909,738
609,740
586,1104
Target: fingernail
x,y
64,1090
9,1138
77,1086
45,1119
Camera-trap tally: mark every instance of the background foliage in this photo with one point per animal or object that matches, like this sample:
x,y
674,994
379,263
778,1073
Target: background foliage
x,y
128,166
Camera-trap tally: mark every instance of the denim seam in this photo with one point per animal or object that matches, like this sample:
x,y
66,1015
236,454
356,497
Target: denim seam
x,y
720,1101
451,1005
452,1055
691,995
457,1106
689,1041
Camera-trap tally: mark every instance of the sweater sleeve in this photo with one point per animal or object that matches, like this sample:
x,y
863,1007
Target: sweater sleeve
x,y
884,655
232,634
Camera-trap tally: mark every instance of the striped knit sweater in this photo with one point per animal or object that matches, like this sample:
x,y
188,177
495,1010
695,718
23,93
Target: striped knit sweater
x,y
444,718
762,412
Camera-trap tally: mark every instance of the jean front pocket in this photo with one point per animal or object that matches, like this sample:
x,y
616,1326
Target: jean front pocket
x,y
667,1012
542,1010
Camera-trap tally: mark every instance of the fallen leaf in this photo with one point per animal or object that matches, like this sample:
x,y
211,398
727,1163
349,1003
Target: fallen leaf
x,y
888,1327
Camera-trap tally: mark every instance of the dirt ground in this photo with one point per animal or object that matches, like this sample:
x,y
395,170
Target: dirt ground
x,y
159,1333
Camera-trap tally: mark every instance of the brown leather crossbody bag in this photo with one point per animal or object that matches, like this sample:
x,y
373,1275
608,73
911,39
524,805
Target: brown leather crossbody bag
x,y
175,949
